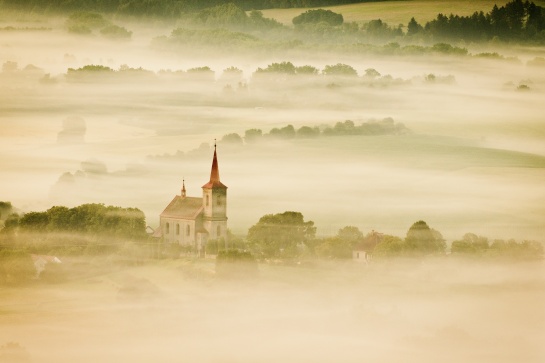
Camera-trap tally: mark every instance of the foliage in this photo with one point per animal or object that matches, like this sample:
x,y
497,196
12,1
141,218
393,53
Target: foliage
x,y
280,235
223,15
307,132
309,70
89,20
5,209
115,32
252,135
286,132
380,30
421,240
390,246
206,37
318,16
350,234
386,126
233,139
516,20
413,27
10,224
284,67
472,245
340,69
334,248
87,218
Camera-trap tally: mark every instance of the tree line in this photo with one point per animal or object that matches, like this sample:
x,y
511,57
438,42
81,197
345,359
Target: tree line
x,y
288,236
386,126
161,8
98,230
517,20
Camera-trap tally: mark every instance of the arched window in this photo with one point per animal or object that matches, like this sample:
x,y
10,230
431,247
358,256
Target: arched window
x,y
218,230
178,228
207,200
219,201
167,228
187,230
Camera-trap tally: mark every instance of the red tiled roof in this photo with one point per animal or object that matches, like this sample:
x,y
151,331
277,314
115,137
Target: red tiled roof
x,y
185,208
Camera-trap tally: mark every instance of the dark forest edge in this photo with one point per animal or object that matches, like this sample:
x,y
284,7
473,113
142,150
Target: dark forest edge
x,y
164,8
516,21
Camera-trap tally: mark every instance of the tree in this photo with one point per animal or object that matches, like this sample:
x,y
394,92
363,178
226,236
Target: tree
x,y
318,16
334,248
5,209
286,132
340,69
421,240
390,246
350,234
86,19
283,67
115,32
232,139
470,244
371,73
413,27
34,221
252,135
281,235
308,70
307,132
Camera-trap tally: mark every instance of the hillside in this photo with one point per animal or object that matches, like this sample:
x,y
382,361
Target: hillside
x,y
395,12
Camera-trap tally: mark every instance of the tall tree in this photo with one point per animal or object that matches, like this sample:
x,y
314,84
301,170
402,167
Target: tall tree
x,y
281,235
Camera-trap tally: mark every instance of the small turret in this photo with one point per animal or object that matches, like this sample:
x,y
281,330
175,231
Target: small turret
x,y
183,188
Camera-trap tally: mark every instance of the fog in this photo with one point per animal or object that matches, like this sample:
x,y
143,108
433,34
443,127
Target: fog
x,y
474,153
178,310
470,157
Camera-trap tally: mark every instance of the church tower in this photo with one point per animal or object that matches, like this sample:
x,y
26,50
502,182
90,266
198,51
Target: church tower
x,y
214,201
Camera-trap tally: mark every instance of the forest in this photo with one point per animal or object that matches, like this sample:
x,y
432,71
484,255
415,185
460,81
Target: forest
x,y
516,21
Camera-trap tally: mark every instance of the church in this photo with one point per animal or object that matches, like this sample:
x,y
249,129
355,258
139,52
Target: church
x,y
191,221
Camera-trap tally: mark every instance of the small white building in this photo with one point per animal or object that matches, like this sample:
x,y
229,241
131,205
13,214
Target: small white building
x,y
363,251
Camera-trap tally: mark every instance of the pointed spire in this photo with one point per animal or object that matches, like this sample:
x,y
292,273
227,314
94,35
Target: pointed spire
x,y
183,188
214,173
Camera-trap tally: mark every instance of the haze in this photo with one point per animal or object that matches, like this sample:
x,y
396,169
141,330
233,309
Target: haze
x,y
472,160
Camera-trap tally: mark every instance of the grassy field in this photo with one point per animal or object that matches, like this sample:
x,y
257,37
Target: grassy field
x,y
395,12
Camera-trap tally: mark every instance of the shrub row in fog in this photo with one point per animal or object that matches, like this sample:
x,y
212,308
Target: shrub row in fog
x,y
86,218
385,126
86,23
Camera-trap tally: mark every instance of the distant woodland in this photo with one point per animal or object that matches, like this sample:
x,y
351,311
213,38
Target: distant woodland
x,y
515,21
166,7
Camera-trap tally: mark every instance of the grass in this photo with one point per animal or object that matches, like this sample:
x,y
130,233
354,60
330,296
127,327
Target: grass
x,y
395,12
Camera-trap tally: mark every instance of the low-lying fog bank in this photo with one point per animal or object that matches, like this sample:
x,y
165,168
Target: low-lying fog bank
x,y
174,310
